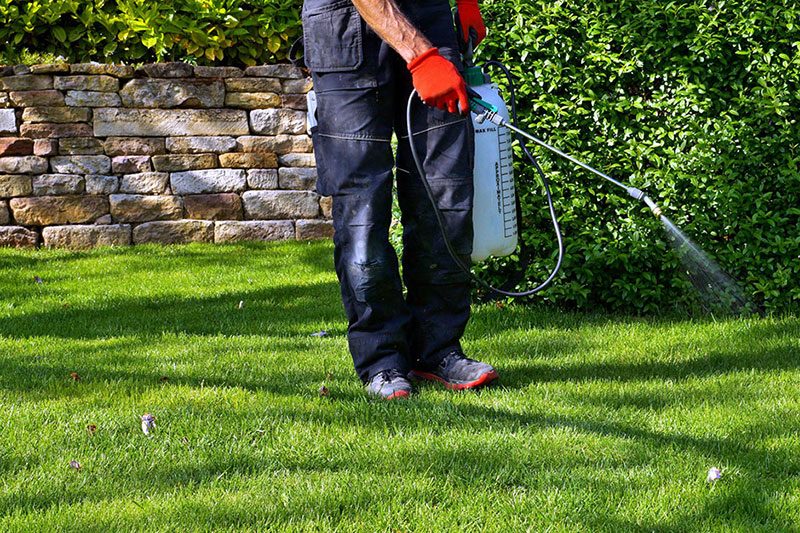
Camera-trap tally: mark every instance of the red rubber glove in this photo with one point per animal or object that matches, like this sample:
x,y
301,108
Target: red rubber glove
x,y
438,82
469,16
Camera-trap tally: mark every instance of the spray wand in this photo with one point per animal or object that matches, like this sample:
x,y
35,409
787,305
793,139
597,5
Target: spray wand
x,y
486,111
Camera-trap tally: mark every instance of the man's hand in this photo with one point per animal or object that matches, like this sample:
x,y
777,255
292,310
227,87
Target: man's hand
x,y
469,17
438,82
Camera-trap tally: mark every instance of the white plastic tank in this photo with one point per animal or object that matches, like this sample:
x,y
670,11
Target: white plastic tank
x,y
494,213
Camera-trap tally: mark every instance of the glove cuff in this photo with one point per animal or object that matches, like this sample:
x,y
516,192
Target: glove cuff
x,y
467,3
417,61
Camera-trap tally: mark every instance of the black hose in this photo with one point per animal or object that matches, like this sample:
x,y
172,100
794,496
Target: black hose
x,y
440,219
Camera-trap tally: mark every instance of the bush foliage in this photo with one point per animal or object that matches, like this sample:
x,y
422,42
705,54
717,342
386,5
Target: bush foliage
x,y
236,32
694,101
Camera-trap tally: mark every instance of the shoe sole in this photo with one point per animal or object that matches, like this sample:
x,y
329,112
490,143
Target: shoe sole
x,y
485,379
397,395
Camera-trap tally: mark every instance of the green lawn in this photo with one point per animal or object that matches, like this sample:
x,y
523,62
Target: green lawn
x,y
600,423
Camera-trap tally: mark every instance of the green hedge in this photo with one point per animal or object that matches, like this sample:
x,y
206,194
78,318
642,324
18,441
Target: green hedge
x,y
695,101
220,32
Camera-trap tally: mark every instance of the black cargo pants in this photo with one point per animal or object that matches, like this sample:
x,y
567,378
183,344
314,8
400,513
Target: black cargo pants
x,y
362,88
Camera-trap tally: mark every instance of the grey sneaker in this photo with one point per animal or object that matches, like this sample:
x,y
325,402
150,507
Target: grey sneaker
x,y
389,385
458,372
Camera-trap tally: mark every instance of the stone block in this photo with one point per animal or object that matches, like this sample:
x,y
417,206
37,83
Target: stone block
x,y
5,215
83,237
97,184
326,205
278,121
218,72
300,86
81,164
262,178
299,179
27,164
5,101
166,94
115,146
313,229
104,220
251,160
225,206
173,122
57,184
45,147
253,85
36,98
52,210
208,181
56,115
8,121
278,144
168,70
274,205
15,146
55,131
174,232
260,230
294,101
274,71
49,68
28,82
179,162
15,185
145,183
252,100
99,83
130,164
142,208
118,71
297,160
18,237
92,99
201,145
80,146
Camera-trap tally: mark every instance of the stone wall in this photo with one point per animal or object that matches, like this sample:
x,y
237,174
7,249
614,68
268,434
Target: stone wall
x,y
95,154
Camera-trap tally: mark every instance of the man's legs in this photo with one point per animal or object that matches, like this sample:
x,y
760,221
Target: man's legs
x,y
355,164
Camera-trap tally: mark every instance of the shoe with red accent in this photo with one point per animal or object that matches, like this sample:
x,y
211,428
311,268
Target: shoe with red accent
x,y
389,385
458,372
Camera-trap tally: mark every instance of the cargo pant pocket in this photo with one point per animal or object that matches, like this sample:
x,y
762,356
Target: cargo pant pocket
x,y
333,36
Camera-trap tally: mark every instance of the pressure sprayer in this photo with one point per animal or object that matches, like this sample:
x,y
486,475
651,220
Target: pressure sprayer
x,y
495,213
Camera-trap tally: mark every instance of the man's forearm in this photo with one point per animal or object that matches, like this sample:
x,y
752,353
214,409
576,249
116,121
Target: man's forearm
x,y
391,25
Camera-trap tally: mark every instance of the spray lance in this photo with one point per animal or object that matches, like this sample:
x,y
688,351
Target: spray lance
x,y
495,212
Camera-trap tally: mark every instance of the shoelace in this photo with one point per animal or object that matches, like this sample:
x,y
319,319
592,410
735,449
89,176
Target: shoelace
x,y
455,356
390,375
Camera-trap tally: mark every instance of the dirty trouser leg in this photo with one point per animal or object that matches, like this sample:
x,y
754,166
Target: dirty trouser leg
x,y
438,292
354,165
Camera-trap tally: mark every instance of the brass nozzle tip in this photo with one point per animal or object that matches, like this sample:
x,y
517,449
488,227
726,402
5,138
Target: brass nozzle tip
x,y
657,211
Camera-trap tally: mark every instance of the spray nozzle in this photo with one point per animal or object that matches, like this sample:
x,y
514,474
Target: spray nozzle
x,y
653,207
638,194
